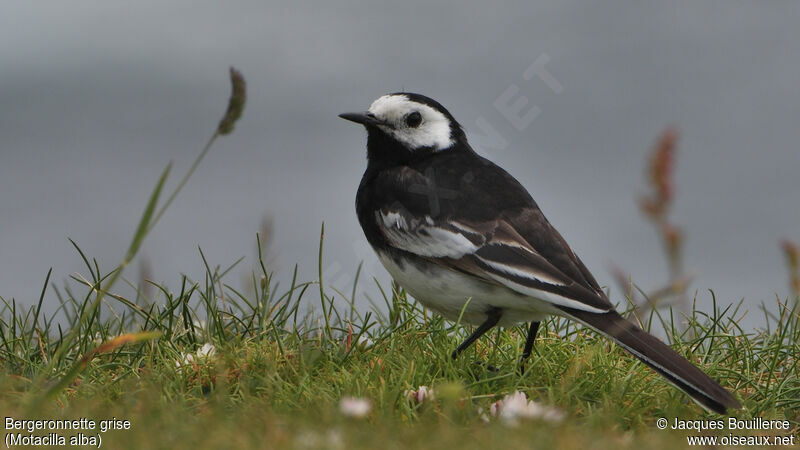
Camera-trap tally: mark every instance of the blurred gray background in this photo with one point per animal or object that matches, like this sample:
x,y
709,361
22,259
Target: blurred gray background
x,y
96,97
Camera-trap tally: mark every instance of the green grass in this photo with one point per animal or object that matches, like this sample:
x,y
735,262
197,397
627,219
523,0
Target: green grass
x,y
285,357
278,374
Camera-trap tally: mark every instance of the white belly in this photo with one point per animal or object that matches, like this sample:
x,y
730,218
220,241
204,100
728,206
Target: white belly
x,y
447,291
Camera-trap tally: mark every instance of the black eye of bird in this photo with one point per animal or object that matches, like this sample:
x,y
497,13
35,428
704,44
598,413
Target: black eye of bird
x,y
414,119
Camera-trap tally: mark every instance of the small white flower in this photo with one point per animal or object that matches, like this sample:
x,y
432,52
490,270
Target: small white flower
x,y
332,439
206,351
198,325
421,395
483,416
307,439
355,407
364,342
516,406
495,408
203,354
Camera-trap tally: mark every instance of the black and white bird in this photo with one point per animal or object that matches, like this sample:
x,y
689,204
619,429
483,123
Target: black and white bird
x,y
454,229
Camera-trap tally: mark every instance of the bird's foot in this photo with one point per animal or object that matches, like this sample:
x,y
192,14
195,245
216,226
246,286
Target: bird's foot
x,y
521,366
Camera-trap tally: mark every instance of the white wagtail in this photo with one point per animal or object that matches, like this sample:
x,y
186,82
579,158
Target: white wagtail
x,y
454,229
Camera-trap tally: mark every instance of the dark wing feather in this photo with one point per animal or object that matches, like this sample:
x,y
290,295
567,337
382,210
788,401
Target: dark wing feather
x,y
534,227
491,251
506,257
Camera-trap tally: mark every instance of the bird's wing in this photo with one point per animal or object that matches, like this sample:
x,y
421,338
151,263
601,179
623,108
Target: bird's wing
x,y
535,229
492,250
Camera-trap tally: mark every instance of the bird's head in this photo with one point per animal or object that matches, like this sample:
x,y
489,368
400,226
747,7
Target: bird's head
x,y
415,122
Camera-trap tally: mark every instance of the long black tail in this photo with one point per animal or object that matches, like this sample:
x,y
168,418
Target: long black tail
x,y
660,357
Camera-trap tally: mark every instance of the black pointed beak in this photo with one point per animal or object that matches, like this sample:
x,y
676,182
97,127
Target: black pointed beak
x,y
364,118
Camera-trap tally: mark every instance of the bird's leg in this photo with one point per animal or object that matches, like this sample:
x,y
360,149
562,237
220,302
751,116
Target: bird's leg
x,y
492,317
526,352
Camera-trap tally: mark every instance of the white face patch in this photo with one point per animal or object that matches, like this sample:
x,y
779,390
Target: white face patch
x,y
432,132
